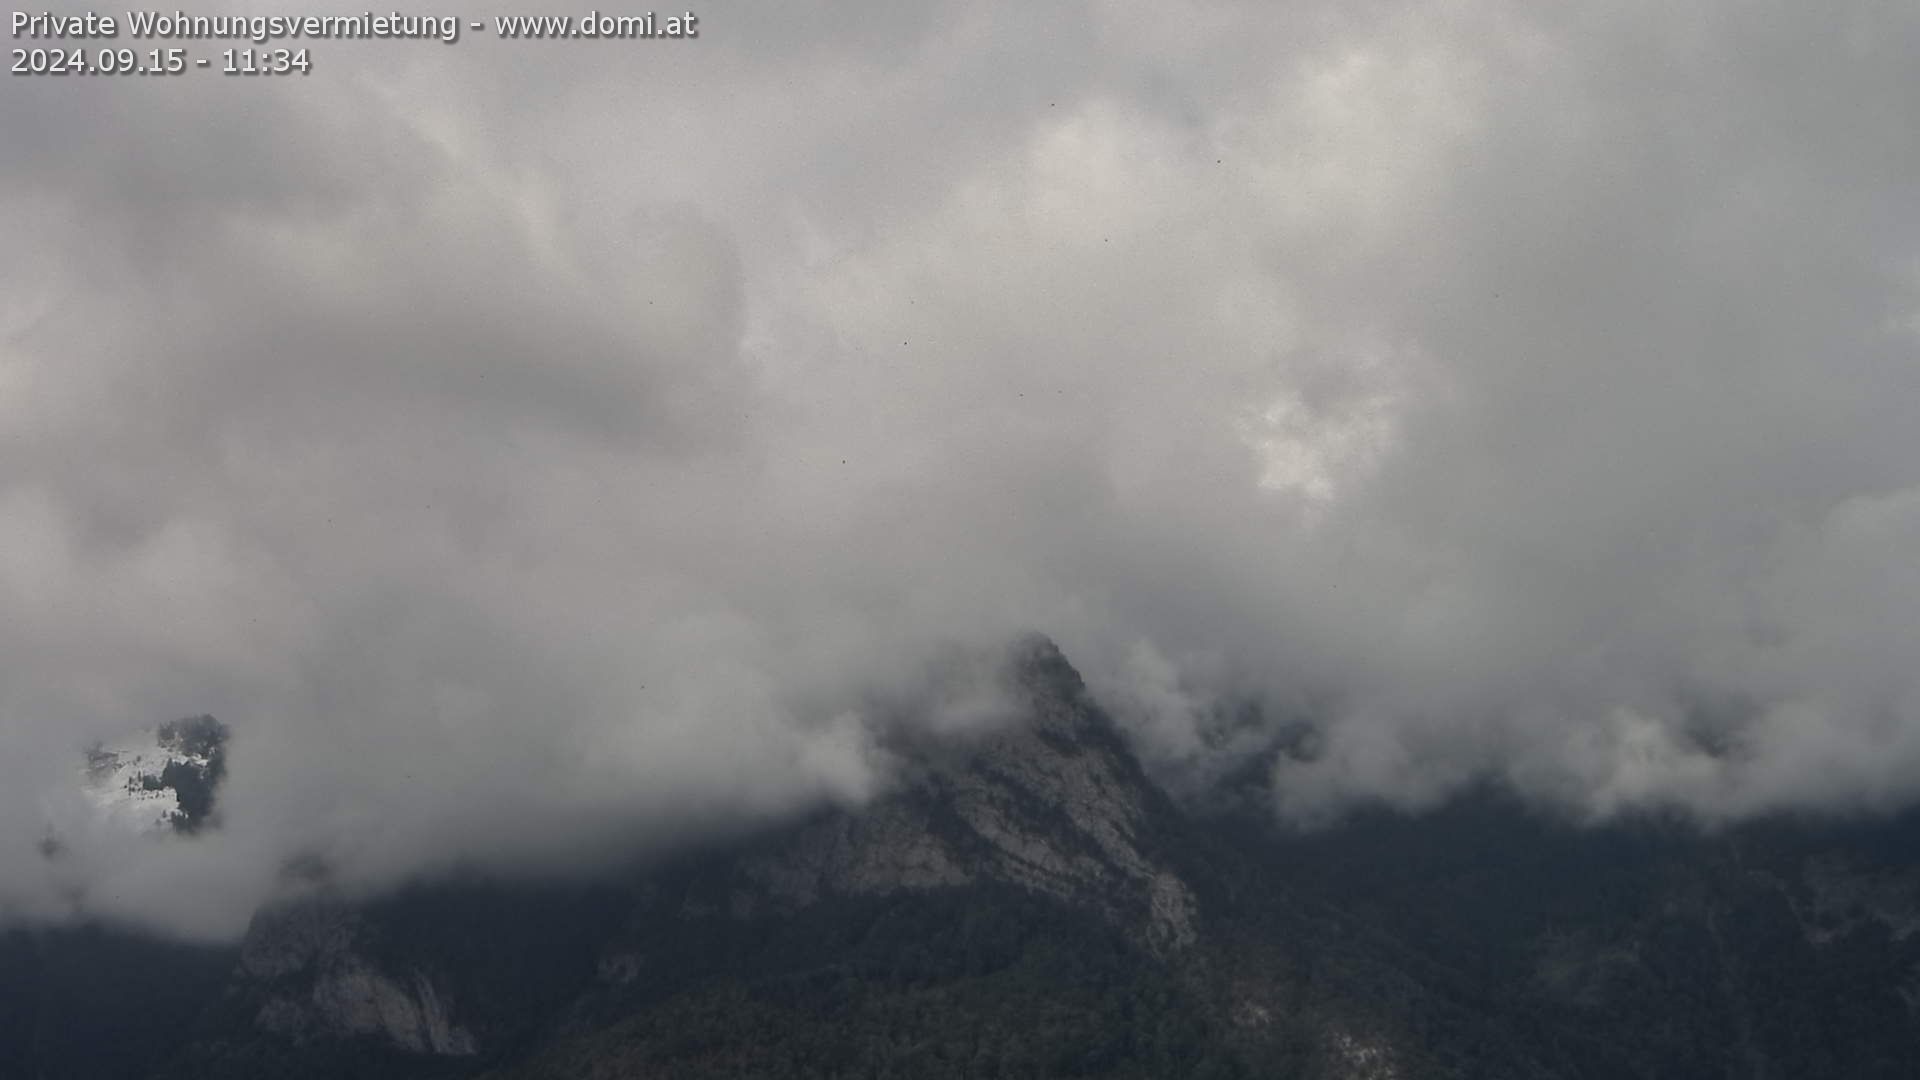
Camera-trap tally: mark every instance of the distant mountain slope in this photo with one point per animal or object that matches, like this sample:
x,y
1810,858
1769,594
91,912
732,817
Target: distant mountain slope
x,y
1028,903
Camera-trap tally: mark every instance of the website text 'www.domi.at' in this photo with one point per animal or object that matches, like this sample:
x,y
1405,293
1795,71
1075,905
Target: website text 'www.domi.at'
x,y
158,42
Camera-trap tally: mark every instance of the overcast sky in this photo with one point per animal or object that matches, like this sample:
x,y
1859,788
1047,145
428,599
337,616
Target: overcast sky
x,y
531,449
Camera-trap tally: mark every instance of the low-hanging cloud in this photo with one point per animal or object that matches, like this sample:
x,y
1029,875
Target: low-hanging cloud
x,y
537,450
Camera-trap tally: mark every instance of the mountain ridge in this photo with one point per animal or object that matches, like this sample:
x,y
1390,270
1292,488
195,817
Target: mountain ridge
x,y
1025,901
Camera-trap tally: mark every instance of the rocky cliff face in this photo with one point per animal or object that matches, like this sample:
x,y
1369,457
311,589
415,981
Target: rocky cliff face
x,y
1052,802
309,965
1024,902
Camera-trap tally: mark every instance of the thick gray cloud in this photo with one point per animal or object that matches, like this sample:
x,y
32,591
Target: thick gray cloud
x,y
537,449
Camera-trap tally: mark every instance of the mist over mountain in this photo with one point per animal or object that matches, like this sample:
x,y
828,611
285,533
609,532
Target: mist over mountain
x,y
1026,902
534,459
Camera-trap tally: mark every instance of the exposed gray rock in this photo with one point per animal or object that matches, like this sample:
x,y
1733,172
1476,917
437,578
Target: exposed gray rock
x,y
294,938
1359,1057
1054,803
891,846
306,957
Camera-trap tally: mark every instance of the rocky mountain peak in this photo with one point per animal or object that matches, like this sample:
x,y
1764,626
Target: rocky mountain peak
x,y
1053,802
1050,803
